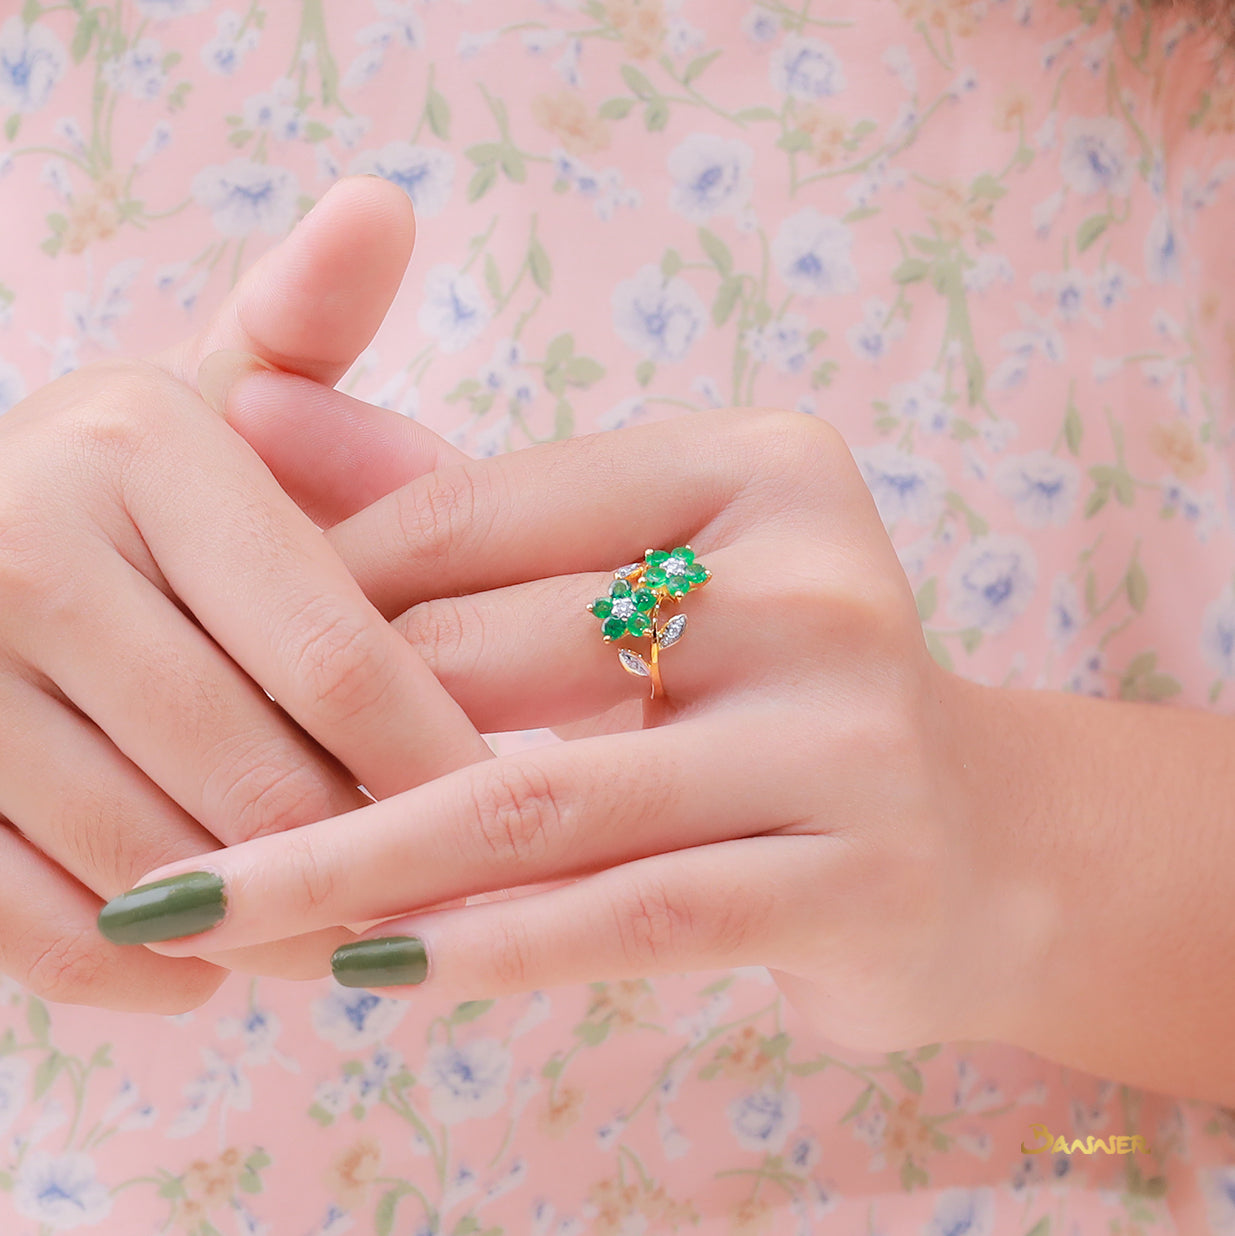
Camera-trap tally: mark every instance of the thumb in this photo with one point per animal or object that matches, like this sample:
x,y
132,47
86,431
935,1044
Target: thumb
x,y
334,455
312,303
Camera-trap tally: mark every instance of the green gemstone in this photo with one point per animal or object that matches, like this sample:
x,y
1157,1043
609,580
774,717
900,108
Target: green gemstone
x,y
613,628
602,607
685,555
679,585
697,574
654,577
638,624
645,599
656,557
619,588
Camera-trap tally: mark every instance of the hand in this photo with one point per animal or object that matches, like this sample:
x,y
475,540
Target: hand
x,y
800,798
159,591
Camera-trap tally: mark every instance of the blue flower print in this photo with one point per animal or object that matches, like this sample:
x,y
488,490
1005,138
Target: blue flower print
x,y
711,175
1162,264
1065,616
991,582
763,1120
657,316
1218,635
962,1212
12,386
243,196
425,175
812,255
453,312
355,1019
1094,158
806,69
1043,487
466,1082
904,486
61,1191
32,61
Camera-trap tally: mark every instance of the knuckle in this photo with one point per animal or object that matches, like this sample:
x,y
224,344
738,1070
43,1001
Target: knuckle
x,y
310,875
650,925
262,790
68,969
447,634
341,667
511,956
518,815
436,520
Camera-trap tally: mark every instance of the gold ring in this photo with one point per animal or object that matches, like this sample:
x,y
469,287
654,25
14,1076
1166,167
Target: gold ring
x,y
633,606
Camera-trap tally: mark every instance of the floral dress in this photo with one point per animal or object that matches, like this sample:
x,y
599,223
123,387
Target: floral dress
x,y
989,241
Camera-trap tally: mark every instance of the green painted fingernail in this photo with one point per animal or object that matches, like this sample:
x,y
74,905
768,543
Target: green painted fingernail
x,y
167,909
388,961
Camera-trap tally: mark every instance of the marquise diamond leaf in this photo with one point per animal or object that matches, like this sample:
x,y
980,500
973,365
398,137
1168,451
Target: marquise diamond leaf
x,y
672,631
634,663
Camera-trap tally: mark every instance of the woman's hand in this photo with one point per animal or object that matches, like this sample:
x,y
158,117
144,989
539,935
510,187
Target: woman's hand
x,y
158,591
799,798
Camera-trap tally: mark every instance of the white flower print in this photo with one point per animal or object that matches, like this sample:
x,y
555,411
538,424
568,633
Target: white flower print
x,y
904,486
171,8
466,1082
426,175
806,69
760,26
812,253
962,1212
656,316
1162,264
454,312
352,1019
991,582
1094,157
1065,615
139,72
1218,1186
61,1191
243,196
1042,487
1218,635
870,337
225,53
32,61
761,1121
921,402
14,1072
711,175
12,386
275,111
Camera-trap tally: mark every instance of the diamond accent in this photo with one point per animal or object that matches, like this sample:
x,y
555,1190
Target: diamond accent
x,y
672,631
627,571
634,663
623,607
674,566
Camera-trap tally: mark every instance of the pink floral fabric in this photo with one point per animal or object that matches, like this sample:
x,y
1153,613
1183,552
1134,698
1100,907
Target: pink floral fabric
x,y
990,241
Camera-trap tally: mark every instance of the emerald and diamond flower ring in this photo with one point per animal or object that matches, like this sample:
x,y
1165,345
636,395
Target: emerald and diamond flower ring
x,y
633,606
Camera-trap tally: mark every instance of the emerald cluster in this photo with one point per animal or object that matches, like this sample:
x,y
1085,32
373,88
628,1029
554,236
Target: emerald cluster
x,y
630,607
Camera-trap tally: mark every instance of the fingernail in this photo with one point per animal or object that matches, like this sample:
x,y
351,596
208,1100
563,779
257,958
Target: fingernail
x,y
221,371
388,961
181,905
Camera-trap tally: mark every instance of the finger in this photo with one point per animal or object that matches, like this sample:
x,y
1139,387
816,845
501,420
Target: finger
x,y
50,945
180,710
334,455
265,584
733,903
582,504
312,303
530,655
101,820
551,813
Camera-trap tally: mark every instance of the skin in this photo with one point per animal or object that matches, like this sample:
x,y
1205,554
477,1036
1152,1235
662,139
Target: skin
x,y
138,642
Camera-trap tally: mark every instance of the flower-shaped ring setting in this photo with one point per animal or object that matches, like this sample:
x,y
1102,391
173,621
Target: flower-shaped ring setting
x,y
632,607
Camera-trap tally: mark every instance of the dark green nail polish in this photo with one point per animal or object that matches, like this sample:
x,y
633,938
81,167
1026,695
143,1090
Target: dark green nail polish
x,y
390,961
166,909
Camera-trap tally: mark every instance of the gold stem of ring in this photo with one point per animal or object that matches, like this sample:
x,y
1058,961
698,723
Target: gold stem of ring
x,y
657,685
